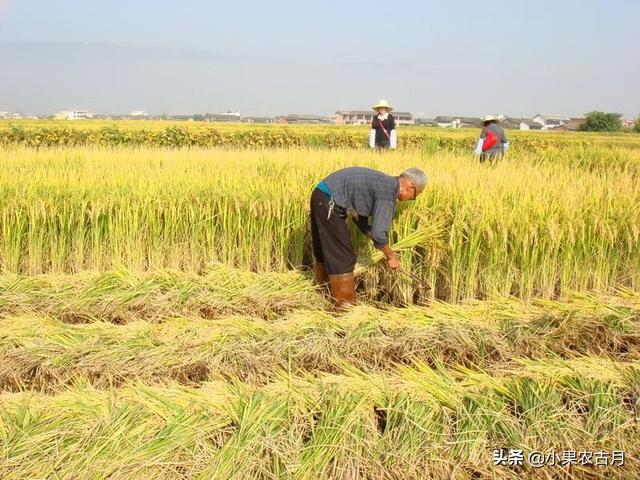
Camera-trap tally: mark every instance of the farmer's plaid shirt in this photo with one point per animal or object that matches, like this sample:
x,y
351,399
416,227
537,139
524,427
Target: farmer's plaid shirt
x,y
368,193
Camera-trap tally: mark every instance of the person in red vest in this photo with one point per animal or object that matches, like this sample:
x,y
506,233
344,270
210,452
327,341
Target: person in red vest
x,y
493,143
383,127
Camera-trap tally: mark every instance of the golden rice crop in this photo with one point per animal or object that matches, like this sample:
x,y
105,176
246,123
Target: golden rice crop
x,y
178,134
525,227
158,318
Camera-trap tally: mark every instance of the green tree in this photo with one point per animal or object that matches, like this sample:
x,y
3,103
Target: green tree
x,y
636,127
602,122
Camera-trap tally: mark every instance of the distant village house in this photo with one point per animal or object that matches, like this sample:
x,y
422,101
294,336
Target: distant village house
x,y
457,122
365,117
295,118
425,122
223,117
521,123
257,119
73,115
573,125
549,121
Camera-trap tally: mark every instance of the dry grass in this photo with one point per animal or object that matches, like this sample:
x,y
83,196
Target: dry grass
x,y
47,352
422,423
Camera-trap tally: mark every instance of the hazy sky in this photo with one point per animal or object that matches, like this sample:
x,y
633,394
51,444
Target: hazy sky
x,y
463,57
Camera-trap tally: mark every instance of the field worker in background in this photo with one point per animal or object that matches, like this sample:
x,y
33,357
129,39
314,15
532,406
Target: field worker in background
x,y
383,127
359,193
492,143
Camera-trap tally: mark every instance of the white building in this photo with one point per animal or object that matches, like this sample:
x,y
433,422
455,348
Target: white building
x,y
139,114
457,122
10,115
521,123
365,117
73,115
550,121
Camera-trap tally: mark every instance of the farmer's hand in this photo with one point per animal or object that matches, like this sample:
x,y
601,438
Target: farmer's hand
x,y
393,261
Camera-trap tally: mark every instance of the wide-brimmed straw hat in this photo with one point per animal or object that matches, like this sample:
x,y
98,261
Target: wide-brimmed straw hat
x,y
497,118
383,104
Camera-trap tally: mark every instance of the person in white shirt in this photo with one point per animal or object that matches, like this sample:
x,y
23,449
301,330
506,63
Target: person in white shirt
x,y
383,127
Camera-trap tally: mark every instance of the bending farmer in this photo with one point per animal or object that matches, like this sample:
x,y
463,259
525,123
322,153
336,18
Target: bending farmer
x,y
492,143
360,193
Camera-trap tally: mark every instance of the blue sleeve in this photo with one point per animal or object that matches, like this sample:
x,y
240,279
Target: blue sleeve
x,y
383,211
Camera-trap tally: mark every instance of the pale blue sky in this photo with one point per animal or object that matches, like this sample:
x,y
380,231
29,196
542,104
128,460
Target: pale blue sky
x,y
462,57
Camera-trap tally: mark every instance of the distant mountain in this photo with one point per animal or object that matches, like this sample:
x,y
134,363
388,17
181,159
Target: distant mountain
x,y
46,77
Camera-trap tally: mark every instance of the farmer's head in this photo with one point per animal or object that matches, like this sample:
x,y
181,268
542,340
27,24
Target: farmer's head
x,y
489,119
412,183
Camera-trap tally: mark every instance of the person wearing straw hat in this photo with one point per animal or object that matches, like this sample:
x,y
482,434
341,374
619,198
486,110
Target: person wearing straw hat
x,y
362,194
383,127
493,142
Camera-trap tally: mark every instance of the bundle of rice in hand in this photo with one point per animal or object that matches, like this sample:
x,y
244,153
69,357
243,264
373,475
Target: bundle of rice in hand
x,y
428,235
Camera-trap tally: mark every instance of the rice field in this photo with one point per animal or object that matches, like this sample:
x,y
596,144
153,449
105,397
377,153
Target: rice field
x,y
179,134
158,319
